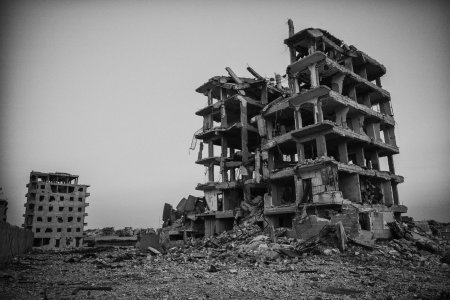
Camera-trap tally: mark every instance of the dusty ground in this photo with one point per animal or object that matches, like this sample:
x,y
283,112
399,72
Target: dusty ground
x,y
216,274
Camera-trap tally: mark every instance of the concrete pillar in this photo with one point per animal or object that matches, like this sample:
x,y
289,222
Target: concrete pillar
x,y
395,193
348,63
359,154
271,160
258,166
298,189
357,124
373,131
391,136
311,46
352,93
385,108
264,95
391,164
365,100
321,146
223,156
362,72
318,108
210,98
300,152
211,166
244,131
343,152
314,75
341,116
269,129
337,82
374,160
297,118
378,82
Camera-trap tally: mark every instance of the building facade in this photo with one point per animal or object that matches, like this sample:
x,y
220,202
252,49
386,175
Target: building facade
x,y
55,210
322,146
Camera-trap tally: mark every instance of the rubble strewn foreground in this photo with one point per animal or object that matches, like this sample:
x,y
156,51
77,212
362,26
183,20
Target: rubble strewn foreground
x,y
247,262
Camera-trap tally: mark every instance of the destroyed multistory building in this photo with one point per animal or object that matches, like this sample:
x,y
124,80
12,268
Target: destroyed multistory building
x,y
3,206
55,209
322,146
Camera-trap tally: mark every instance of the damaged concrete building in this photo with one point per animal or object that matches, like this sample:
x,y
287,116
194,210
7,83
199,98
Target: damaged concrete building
x,y
3,206
318,151
55,210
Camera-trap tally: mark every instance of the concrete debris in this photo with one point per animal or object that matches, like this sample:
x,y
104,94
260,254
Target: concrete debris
x,y
242,263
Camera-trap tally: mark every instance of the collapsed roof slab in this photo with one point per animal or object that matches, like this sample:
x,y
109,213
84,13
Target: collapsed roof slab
x,y
232,106
328,68
302,40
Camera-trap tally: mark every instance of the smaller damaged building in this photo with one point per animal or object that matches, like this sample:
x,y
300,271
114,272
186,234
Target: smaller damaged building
x,y
55,210
318,151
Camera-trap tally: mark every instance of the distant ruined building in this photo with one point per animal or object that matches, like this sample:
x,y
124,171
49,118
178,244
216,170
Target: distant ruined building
x,y
3,206
319,151
55,210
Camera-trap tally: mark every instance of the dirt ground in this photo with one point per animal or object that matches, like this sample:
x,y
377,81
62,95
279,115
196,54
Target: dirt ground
x,y
127,273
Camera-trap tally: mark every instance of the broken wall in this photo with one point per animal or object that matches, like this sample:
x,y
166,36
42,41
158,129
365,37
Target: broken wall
x,y
13,241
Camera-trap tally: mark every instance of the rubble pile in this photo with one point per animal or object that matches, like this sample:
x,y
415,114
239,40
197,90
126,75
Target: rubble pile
x,y
246,262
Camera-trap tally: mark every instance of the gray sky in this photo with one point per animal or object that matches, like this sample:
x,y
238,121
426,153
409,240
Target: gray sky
x,y
105,90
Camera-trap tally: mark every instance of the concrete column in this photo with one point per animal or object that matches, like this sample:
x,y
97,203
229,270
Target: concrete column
x,y
264,96
210,98
211,166
343,152
232,170
362,72
318,107
223,156
300,152
373,131
357,124
365,100
207,122
378,82
292,53
271,160
316,112
337,82
269,129
244,131
348,63
341,116
359,153
374,160
385,108
297,118
391,164
311,46
298,189
395,193
321,146
352,93
314,75
391,132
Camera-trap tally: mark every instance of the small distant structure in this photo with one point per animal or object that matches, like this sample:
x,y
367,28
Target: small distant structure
x,y
55,210
3,206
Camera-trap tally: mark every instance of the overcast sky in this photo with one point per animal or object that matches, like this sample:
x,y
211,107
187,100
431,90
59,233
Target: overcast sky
x,y
106,90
